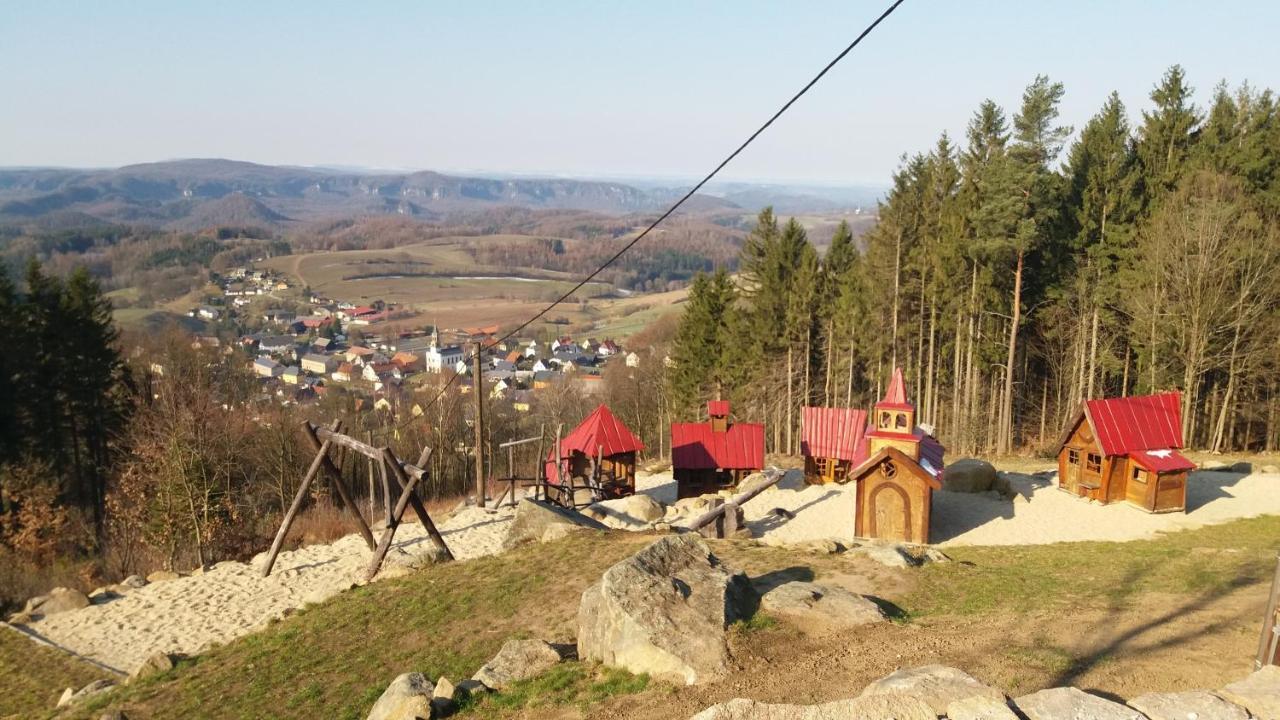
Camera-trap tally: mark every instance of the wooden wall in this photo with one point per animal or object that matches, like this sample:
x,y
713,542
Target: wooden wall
x,y
893,508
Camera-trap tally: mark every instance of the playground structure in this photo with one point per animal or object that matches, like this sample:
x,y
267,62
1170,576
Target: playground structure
x,y
832,441
715,455
396,475
601,449
1126,449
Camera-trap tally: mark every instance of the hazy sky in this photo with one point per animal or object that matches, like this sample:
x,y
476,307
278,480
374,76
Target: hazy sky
x,y
578,88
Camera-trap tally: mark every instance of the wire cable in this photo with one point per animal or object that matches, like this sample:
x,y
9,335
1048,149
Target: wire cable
x,y
671,210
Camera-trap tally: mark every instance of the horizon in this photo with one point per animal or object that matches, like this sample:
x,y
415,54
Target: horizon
x,y
574,90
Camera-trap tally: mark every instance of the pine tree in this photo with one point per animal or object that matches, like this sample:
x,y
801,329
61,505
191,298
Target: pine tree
x,y
704,340
1166,135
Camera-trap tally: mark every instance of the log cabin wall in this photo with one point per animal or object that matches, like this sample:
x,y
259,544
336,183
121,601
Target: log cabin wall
x,y
1082,469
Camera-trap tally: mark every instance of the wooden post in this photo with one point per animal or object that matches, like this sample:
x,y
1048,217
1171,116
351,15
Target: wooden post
x,y
1267,643
399,480
738,501
477,386
538,461
336,476
384,543
560,472
296,504
368,437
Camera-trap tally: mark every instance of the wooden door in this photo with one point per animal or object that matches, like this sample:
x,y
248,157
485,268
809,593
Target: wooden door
x,y
1073,471
888,511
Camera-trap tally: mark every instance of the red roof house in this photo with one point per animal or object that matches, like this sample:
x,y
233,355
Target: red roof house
x,y
604,438
706,457
1127,449
832,441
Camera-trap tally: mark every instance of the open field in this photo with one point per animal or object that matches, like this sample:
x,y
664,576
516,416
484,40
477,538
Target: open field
x,y
438,279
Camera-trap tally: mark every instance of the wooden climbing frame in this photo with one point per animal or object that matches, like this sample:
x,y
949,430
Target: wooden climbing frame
x,y
397,476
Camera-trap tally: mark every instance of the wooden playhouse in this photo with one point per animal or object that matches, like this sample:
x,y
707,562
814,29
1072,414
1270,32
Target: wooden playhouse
x,y
894,480
1126,449
711,456
832,441
601,450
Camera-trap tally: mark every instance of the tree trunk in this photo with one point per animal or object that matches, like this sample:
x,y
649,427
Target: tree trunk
x,y
790,400
930,412
1093,353
1005,439
897,264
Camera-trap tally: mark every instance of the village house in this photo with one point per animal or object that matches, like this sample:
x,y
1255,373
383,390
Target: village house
x,y
438,359
344,372
407,362
633,360
265,367
319,364
207,312
291,375
276,344
278,317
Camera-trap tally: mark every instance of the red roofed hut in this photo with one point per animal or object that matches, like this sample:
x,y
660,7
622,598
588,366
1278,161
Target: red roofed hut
x,y
832,441
1127,449
896,473
708,457
601,439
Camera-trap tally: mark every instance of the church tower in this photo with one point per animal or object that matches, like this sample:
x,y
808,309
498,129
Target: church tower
x,y
894,421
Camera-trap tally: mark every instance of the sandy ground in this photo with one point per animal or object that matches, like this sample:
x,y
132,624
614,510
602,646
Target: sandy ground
x,y
1047,515
190,614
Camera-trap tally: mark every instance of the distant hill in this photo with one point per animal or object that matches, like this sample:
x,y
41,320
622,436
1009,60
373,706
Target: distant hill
x,y
194,194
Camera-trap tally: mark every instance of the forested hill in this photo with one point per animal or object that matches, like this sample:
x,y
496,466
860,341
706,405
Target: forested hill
x,y
179,193
1012,275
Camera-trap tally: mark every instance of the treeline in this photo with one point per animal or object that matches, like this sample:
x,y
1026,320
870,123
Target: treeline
x,y
1012,281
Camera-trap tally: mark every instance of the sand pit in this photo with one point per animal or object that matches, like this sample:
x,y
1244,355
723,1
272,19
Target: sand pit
x,y
190,614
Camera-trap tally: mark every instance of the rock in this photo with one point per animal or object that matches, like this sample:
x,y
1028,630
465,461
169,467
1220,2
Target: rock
x,y
158,664
1072,704
113,715
828,606
472,687
664,611
444,700
878,707
134,581
1193,705
58,600
936,685
408,697
822,547
517,660
97,687
104,595
628,513
1270,469
1242,467
928,554
1259,693
162,576
968,476
22,618
537,521
889,555
1214,465
980,708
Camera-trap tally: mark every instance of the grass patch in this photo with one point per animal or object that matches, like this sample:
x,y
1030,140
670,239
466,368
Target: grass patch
x,y
570,683
1205,562
34,676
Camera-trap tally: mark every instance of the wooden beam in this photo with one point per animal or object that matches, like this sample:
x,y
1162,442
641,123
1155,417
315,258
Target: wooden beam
x,y
296,505
737,501
399,481
478,386
384,543
336,476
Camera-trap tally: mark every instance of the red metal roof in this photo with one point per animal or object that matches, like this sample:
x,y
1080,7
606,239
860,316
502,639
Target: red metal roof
x,y
1162,461
1142,422
718,407
897,392
695,447
601,432
833,433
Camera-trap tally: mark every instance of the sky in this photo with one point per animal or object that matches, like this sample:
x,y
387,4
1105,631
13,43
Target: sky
x,y
584,89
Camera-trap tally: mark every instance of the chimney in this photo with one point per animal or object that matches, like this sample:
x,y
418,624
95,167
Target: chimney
x,y
718,411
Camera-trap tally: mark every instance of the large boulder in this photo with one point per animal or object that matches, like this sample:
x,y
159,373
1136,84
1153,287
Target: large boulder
x,y
1259,693
878,707
74,697
408,697
57,600
1269,470
517,660
937,685
633,512
538,522
664,611
830,607
1072,704
968,476
156,664
1197,704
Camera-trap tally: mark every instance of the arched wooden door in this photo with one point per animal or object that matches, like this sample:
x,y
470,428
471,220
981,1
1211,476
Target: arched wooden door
x,y
889,512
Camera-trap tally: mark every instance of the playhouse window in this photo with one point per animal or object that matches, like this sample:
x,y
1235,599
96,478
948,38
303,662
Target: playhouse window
x,y
884,419
1093,463
901,421
1139,476
1073,457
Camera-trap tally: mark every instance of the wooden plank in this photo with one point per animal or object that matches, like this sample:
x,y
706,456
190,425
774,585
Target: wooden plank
x,y
347,441
384,543
338,484
525,441
399,480
739,500
478,388
1266,644
296,505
